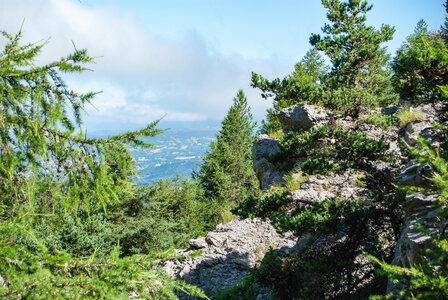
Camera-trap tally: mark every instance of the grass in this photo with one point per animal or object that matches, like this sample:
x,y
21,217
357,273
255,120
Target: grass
x,y
407,115
379,120
276,134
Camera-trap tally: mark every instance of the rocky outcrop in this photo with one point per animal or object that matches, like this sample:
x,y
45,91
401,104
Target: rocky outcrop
x,y
264,148
304,116
227,254
423,129
317,188
411,247
420,209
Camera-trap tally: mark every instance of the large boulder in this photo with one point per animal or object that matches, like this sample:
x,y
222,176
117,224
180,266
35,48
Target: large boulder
x,y
304,116
264,148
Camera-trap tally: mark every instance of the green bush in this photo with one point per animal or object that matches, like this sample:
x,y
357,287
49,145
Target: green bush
x,y
324,149
379,120
161,215
90,236
421,66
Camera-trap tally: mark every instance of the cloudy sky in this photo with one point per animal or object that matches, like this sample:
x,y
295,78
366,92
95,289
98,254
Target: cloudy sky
x,y
185,59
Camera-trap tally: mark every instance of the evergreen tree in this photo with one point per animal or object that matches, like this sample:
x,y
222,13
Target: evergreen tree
x,y
421,65
50,170
358,61
226,172
39,117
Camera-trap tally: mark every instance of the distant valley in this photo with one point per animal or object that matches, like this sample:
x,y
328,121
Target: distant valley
x,y
177,152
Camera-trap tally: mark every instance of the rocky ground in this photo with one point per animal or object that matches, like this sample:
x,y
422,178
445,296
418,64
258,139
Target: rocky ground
x,y
231,249
228,253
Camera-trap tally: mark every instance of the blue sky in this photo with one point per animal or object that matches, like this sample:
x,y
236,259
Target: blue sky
x,y
186,59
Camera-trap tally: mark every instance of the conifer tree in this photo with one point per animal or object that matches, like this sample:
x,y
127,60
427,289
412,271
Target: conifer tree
x,y
41,138
421,65
226,172
50,169
354,50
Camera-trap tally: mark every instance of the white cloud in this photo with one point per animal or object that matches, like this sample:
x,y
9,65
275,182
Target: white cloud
x,y
143,76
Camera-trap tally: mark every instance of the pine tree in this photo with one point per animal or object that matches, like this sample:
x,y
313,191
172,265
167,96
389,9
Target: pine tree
x,y
226,172
421,65
354,50
50,169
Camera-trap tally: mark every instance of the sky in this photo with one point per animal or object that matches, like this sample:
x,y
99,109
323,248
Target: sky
x,y
185,60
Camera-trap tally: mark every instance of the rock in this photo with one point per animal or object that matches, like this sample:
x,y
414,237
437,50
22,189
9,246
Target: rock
x,y
414,174
423,129
232,249
263,148
412,244
198,243
215,239
389,110
303,116
317,188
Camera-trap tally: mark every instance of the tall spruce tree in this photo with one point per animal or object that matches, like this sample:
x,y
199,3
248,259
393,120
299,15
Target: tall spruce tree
x,y
358,78
226,172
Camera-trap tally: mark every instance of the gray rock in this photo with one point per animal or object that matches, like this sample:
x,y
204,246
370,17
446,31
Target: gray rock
x,y
414,174
389,110
423,129
412,244
263,148
232,249
317,188
198,243
303,116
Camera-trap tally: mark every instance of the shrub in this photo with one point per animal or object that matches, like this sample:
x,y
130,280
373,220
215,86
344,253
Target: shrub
x,y
421,65
379,120
324,149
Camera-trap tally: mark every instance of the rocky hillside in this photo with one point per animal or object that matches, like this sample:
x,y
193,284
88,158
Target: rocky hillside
x,y
229,251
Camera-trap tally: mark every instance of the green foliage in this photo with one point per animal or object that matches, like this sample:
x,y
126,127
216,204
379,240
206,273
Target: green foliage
x,y
37,274
325,149
91,236
38,118
162,215
379,120
57,185
421,66
425,281
226,173
358,79
243,290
